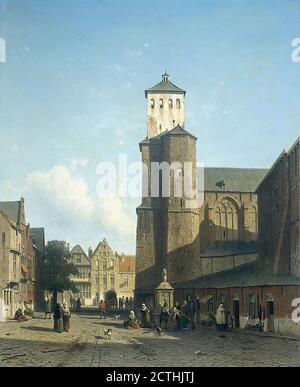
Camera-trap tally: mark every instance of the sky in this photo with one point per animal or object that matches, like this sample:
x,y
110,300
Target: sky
x,y
72,96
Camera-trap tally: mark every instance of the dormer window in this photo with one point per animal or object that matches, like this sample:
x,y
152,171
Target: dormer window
x,y
178,103
152,104
161,103
170,103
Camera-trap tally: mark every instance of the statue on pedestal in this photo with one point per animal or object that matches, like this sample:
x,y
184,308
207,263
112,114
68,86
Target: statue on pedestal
x,y
164,275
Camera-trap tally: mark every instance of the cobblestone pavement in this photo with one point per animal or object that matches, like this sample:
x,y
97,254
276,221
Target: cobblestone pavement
x,y
34,343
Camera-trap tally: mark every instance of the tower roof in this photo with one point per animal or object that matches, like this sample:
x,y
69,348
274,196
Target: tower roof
x,y
165,86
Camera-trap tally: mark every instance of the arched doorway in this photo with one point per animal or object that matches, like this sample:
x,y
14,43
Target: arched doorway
x,y
111,299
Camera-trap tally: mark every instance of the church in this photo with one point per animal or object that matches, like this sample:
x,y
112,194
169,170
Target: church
x,y
220,237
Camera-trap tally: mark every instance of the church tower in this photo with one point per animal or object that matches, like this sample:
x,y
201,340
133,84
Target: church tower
x,y
167,229
165,107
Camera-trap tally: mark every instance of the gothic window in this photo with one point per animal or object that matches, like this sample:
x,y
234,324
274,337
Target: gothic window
x,y
14,264
161,103
152,103
104,279
170,103
226,221
178,103
104,264
112,280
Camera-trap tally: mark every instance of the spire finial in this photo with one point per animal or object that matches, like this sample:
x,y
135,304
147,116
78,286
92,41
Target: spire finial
x,y
165,76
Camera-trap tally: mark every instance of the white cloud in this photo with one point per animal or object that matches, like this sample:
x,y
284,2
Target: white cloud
x,y
67,201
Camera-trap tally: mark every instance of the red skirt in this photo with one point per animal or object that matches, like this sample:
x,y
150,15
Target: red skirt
x,y
67,326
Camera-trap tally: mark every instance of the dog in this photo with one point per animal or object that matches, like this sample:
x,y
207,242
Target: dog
x,y
117,317
158,331
107,333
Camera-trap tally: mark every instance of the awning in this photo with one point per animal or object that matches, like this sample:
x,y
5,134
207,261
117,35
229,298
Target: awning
x,y
24,269
206,298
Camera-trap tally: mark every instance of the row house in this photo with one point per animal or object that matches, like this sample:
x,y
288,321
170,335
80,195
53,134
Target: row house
x,y
18,258
103,274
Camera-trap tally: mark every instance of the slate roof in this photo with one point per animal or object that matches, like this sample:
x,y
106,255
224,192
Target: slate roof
x,y
235,179
11,209
229,248
177,131
79,250
247,275
38,237
165,86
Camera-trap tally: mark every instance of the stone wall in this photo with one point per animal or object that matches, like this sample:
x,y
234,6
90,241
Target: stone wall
x,y
279,215
219,264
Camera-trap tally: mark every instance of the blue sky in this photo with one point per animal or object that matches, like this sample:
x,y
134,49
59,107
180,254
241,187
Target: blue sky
x,y
72,95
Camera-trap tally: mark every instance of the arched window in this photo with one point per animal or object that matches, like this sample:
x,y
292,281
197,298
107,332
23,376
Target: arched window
x,y
161,103
152,103
170,103
104,264
178,103
226,221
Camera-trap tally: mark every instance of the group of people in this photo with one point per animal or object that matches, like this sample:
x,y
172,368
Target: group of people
x,y
125,303
144,320
20,316
181,315
184,316
61,315
62,318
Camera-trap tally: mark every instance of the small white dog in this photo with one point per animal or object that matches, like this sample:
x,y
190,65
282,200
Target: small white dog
x,y
117,317
107,333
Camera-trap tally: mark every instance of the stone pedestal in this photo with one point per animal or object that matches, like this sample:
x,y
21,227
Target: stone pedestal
x,y
164,293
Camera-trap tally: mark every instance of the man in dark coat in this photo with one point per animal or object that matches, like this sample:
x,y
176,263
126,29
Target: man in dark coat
x,y
58,319
78,305
164,315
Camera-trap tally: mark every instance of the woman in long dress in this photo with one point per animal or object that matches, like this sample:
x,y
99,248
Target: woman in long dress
x,y
221,319
58,319
145,316
66,318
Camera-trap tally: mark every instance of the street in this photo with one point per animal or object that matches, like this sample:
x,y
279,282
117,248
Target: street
x,y
34,344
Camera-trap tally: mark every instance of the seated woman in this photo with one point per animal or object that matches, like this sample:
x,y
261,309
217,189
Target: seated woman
x,y
19,316
132,321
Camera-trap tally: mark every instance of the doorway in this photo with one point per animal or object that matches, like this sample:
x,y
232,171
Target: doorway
x,y
236,311
270,315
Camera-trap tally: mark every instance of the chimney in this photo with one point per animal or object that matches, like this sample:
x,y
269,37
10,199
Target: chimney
x,y
90,252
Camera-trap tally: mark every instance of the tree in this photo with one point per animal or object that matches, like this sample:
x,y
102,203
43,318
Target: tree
x,y
58,268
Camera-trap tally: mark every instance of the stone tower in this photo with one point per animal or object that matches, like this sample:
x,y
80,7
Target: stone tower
x,y
167,230
165,107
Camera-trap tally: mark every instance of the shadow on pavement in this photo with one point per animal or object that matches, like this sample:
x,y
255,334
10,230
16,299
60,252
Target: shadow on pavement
x,y
39,329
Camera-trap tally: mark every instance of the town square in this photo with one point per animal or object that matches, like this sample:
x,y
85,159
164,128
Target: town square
x,y
33,344
150,189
